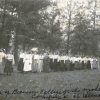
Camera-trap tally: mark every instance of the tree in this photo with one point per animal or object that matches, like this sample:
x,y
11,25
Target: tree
x,y
22,17
50,32
68,16
83,41
69,25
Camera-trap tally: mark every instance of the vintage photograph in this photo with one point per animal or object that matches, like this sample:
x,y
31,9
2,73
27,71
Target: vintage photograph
x,y
49,49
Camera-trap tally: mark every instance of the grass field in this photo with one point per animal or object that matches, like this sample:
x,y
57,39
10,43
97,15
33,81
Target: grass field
x,y
55,80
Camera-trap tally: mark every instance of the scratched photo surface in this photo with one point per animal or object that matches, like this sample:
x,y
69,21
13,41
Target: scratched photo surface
x,y
49,49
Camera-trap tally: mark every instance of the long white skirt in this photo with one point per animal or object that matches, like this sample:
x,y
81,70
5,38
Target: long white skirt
x,y
40,65
27,66
1,68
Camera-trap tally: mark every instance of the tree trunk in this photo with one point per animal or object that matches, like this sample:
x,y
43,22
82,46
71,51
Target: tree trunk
x,y
94,19
16,58
69,27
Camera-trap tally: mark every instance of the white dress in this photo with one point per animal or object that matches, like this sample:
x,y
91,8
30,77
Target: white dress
x,y
35,63
94,64
1,62
28,62
40,64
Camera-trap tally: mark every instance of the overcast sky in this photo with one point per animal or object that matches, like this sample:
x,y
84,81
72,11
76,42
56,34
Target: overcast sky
x,y
62,3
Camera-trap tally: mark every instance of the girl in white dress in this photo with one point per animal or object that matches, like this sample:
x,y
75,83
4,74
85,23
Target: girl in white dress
x,y
28,62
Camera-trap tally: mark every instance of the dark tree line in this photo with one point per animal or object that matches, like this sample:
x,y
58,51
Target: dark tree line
x,y
82,29
32,25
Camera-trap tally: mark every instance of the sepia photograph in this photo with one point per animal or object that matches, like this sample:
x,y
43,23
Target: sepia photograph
x,y
49,49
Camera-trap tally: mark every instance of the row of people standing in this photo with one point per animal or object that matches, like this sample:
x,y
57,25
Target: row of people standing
x,y
74,64
34,63
45,63
6,63
69,65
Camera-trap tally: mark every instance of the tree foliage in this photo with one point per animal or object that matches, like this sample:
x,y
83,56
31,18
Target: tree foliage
x,y
84,41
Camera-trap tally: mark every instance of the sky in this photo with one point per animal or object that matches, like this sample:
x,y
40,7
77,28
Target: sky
x,y
62,3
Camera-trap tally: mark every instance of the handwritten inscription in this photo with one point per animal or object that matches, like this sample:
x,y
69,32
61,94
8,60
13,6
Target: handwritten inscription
x,y
74,93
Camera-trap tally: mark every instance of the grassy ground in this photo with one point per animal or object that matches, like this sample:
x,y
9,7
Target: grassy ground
x,y
54,80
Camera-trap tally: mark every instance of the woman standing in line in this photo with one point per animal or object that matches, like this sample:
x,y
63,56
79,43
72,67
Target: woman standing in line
x,y
8,67
46,63
20,65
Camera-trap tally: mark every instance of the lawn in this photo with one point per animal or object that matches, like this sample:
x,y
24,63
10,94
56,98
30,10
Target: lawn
x,y
60,81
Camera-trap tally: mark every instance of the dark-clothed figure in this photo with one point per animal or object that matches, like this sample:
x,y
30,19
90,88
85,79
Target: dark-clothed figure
x,y
83,65
62,65
3,63
71,65
55,65
77,65
51,64
46,63
8,67
20,65
67,67
88,64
